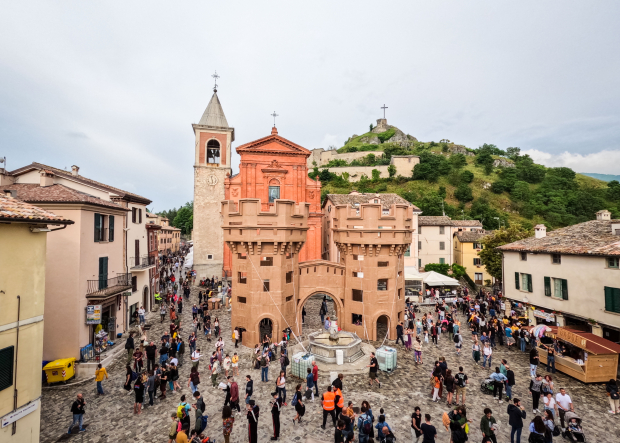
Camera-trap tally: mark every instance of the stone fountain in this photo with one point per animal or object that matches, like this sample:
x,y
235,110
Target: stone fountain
x,y
324,344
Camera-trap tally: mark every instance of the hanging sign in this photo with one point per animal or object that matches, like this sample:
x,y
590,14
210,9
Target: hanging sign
x,y
544,315
93,314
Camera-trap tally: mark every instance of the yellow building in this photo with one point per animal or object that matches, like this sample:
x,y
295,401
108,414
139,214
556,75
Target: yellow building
x,y
23,242
467,245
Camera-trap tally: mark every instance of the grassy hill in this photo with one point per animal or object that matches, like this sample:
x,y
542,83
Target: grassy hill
x,y
487,184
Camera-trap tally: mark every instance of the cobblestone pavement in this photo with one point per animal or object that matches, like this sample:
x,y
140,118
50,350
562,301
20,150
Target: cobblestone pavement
x,y
110,418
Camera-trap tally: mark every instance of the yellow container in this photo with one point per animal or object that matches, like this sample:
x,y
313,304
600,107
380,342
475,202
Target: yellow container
x,y
60,370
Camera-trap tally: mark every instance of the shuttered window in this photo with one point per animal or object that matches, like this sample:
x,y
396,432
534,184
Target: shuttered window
x,y
140,214
517,286
548,286
98,227
612,299
111,228
7,360
134,284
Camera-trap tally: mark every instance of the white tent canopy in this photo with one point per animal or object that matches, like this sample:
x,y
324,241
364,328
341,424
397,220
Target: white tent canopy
x,y
433,278
189,258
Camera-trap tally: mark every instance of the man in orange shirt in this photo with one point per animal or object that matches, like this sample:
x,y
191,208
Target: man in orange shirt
x,y
328,400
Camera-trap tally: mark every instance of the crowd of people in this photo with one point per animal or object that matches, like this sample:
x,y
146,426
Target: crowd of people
x,y
481,315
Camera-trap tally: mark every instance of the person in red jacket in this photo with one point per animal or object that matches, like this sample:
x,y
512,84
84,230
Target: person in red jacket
x,y
234,395
315,377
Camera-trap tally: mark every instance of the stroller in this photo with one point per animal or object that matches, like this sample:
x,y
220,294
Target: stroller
x,y
487,386
574,431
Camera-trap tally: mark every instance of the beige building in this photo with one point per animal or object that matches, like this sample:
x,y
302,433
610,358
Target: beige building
x,y
212,164
366,286
436,238
24,231
467,247
572,274
92,262
169,237
330,249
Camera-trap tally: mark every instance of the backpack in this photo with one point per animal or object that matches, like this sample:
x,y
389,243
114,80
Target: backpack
x,y
456,338
613,394
556,431
294,401
367,425
263,361
286,361
203,422
181,411
460,380
134,375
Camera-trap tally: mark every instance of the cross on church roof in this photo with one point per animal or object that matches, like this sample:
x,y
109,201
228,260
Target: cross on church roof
x,y
384,108
215,76
274,115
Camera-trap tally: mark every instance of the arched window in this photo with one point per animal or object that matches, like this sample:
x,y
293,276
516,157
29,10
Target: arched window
x,y
213,152
274,190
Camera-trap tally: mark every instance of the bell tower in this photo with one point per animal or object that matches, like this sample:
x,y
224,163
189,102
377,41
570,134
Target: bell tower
x,y
212,164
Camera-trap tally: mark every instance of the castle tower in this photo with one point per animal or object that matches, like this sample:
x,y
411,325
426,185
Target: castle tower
x,y
265,249
212,164
372,242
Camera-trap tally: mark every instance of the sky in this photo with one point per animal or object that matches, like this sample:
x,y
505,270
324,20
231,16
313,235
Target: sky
x,y
114,87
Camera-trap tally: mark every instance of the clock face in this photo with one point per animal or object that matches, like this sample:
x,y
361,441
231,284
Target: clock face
x,y
212,180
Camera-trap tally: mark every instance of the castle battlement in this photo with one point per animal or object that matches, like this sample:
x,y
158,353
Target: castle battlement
x,y
248,213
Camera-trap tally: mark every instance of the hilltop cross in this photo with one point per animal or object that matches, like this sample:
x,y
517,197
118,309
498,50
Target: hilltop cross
x,y
274,115
215,77
384,108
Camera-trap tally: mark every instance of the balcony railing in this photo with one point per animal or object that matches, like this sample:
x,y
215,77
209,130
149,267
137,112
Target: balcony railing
x,y
108,286
142,262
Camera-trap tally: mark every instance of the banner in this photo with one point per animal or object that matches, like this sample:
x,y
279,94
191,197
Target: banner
x,y
93,314
544,315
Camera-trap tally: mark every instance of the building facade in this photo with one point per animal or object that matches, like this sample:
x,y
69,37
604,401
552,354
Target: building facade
x,y
169,237
24,229
467,247
272,284
88,263
436,238
571,276
212,165
274,168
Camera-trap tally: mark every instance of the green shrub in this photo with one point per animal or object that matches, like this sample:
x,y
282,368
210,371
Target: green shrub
x,y
392,170
385,136
467,176
463,193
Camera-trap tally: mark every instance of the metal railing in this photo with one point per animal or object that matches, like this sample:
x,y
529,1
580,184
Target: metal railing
x,y
144,261
104,285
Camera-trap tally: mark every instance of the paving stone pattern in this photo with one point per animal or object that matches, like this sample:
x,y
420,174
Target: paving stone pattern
x,y
110,418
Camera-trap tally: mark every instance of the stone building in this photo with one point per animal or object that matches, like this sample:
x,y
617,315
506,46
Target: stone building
x,y
212,164
274,168
272,284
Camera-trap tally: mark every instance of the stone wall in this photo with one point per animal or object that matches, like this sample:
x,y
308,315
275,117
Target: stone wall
x,y
323,157
404,165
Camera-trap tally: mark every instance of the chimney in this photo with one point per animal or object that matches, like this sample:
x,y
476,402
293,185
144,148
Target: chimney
x,y
75,170
47,178
615,228
603,214
10,193
540,231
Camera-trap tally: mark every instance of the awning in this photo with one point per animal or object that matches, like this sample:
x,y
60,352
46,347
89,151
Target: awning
x,y
433,278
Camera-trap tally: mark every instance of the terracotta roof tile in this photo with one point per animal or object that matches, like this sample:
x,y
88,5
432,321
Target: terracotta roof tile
x,y
590,238
472,236
468,223
34,193
431,220
17,210
386,200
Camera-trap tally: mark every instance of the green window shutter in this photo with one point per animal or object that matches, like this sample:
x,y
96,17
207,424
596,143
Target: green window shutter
x,y
517,280
97,227
103,272
111,228
616,297
564,289
548,286
612,299
7,359
529,282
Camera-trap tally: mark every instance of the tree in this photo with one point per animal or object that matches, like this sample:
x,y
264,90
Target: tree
x,y
490,257
442,268
513,153
371,127
392,170
467,176
613,190
184,219
442,192
463,193
376,175
458,161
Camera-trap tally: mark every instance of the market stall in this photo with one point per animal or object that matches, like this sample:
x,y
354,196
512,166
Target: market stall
x,y
582,355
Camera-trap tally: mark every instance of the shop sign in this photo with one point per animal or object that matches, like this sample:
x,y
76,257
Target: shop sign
x,y
568,336
93,314
544,315
15,415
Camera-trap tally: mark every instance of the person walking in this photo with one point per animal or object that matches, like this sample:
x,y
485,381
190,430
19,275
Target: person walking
x,y
249,389
400,333
77,409
417,350
487,425
516,415
510,381
535,392
298,403
215,369
264,367
100,373
252,416
138,390
475,348
227,423
281,387
428,430
434,333
195,356
329,405
498,382
614,397
310,385
234,394
533,362
565,404
150,386
374,367
180,351
487,356
151,351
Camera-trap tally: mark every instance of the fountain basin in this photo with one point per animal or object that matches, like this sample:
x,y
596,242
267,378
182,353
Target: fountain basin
x,y
323,345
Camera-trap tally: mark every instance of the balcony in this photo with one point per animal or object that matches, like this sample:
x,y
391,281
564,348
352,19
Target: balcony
x,y
106,287
141,263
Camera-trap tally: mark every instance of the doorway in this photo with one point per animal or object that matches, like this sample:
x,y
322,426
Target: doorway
x,y
316,304
266,328
145,298
382,327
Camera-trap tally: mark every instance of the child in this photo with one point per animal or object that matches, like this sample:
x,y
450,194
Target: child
x,y
235,364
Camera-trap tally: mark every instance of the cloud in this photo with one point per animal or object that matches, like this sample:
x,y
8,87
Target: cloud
x,y
79,135
602,162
